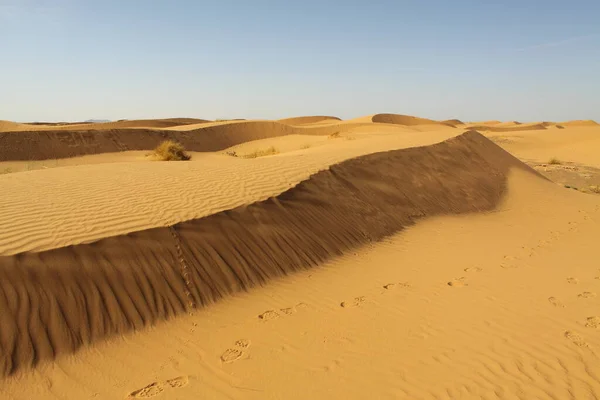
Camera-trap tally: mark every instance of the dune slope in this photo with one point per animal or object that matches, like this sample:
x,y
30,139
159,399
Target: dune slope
x,y
55,301
50,144
406,120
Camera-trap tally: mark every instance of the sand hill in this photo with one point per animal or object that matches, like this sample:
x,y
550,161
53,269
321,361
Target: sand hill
x,y
286,253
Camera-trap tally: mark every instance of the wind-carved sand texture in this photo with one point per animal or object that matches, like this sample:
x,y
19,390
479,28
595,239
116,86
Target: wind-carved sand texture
x,y
55,301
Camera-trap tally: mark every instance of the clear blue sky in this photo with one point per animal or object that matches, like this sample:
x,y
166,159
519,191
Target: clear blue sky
x,y
468,59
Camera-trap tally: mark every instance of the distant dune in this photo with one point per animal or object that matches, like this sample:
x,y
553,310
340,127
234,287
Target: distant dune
x,y
308,120
205,136
588,122
406,120
6,126
126,282
505,128
453,122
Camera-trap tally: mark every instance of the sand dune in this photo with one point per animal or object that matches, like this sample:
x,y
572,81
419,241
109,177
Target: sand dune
x,y
95,247
127,282
588,122
404,120
507,128
206,137
99,199
308,120
453,122
6,126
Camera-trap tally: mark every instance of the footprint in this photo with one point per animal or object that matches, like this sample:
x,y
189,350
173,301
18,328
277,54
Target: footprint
x,y
473,269
586,295
592,322
231,355
576,339
288,311
153,389
572,280
243,343
404,285
268,315
178,382
555,302
458,282
354,303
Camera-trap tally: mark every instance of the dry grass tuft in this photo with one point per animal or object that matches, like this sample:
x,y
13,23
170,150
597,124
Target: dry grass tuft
x,y
261,153
554,161
334,135
594,189
171,151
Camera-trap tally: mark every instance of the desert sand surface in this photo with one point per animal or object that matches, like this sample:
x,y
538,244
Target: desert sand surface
x,y
385,256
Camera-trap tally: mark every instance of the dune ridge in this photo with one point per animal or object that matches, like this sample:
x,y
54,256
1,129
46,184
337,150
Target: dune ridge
x,y
508,128
308,119
55,301
587,122
204,137
406,120
7,126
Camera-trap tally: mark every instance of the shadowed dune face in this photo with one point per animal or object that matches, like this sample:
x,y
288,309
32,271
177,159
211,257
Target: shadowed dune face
x,y
453,122
56,301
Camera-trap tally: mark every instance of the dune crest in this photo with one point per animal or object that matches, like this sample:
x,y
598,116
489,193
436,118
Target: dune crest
x,y
587,122
507,128
210,136
308,120
407,120
56,301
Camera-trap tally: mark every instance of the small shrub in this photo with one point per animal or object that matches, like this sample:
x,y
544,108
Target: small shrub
x,y
261,153
6,171
231,153
334,135
554,161
171,151
594,189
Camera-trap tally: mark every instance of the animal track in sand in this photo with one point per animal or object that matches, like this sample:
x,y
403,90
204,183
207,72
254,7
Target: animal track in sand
x,y
555,302
156,388
592,322
587,295
268,315
353,303
458,282
576,339
572,280
473,269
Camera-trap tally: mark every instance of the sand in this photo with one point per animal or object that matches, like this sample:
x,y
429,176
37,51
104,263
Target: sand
x,y
364,260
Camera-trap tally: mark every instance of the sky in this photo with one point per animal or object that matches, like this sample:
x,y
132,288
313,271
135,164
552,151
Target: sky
x,y
525,60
